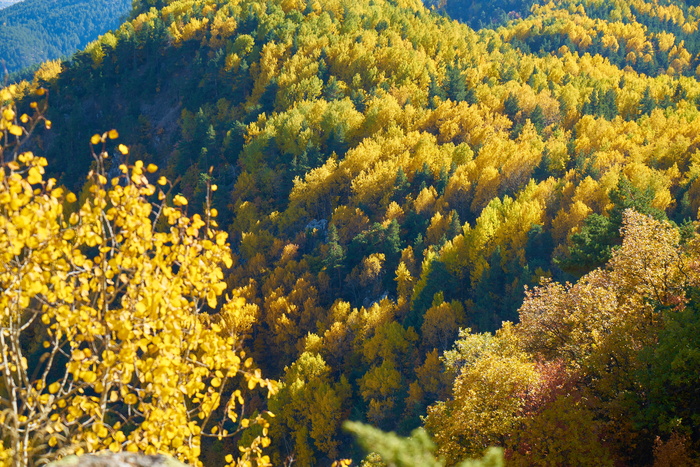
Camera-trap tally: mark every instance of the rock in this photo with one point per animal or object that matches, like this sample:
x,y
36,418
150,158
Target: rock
x,y
317,224
120,459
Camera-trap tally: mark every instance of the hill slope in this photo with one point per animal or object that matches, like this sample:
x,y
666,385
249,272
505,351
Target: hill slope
x,y
479,14
6,3
34,31
389,176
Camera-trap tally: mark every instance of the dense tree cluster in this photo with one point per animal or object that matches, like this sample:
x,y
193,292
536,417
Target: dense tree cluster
x,y
595,373
652,38
392,182
479,13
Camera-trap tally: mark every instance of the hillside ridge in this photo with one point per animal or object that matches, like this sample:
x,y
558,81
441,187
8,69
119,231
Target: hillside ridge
x,y
431,225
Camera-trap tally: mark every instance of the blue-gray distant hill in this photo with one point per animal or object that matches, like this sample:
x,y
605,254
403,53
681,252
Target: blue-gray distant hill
x,y
6,3
34,31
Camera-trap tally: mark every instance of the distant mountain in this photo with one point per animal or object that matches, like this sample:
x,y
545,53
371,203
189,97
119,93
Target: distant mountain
x,y
6,3
34,31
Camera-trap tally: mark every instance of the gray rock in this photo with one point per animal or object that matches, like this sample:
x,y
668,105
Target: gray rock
x,y
120,459
317,224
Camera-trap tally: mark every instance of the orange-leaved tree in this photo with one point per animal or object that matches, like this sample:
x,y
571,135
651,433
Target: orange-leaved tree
x,y
108,336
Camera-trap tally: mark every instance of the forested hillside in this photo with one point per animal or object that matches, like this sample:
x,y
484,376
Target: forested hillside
x,y
395,186
34,31
481,14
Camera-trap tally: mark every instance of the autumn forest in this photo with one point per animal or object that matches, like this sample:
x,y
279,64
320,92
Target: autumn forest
x,y
358,232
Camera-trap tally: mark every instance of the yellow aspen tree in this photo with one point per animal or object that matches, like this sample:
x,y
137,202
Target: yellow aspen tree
x,y
440,325
487,395
310,408
103,343
379,388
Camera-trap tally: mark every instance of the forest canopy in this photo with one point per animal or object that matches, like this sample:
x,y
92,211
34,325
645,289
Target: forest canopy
x,y
485,233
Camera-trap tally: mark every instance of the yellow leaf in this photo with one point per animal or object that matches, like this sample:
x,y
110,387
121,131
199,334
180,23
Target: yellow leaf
x,y
16,130
123,149
71,198
54,387
211,299
113,134
96,139
101,431
130,399
89,377
151,168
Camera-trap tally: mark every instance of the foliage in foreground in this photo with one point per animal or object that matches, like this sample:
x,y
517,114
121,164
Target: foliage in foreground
x,y
595,371
108,335
417,450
